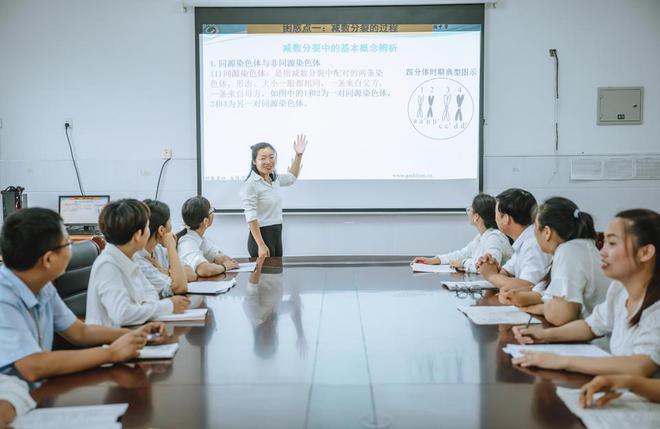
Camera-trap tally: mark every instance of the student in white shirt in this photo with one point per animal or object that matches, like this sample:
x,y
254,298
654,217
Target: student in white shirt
x,y
261,197
630,313
15,399
575,283
514,213
159,260
195,250
489,240
119,294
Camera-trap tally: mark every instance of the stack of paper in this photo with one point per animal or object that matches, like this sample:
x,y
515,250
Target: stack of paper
x,y
245,267
628,411
469,285
165,351
425,268
587,350
88,417
495,315
192,314
210,287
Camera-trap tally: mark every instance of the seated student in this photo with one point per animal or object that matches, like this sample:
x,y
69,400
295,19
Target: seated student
x,y
489,240
575,283
159,260
36,250
119,294
630,313
15,399
195,250
645,387
514,213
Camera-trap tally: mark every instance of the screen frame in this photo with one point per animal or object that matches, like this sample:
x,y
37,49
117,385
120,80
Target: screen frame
x,y
435,14
59,208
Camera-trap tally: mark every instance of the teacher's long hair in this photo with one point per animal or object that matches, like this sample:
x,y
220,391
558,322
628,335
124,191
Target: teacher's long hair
x,y
255,151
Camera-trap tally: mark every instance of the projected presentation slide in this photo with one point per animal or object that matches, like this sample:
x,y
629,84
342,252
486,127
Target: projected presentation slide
x,y
378,103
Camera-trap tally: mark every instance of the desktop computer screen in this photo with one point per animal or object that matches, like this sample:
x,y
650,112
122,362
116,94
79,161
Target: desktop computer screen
x,y
79,210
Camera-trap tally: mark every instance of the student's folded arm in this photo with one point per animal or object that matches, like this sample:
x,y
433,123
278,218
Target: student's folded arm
x,y
559,311
526,298
209,269
500,280
646,387
42,365
178,275
84,335
577,330
122,310
641,365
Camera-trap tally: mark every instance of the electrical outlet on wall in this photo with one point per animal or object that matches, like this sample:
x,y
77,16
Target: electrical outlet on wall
x,y
166,154
68,123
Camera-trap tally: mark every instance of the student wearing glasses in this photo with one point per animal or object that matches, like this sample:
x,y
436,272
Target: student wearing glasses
x,y
261,197
575,283
630,314
119,294
36,250
205,259
514,213
159,260
489,240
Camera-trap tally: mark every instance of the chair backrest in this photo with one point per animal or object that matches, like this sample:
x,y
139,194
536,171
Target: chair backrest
x,y
72,285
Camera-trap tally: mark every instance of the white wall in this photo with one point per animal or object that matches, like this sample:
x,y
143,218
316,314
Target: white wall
x,y
124,71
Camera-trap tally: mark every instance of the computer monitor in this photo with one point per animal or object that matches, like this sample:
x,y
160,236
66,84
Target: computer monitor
x,y
82,210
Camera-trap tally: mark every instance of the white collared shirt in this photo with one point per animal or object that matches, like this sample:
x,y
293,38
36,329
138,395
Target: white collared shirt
x,y
262,201
528,261
611,317
16,392
161,281
492,241
119,294
194,249
576,276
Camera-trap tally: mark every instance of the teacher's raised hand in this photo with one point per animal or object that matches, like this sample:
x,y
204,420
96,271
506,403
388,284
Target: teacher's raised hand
x,y
300,144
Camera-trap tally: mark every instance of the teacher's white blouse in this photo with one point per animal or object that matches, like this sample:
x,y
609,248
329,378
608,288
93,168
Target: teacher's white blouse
x,y
262,201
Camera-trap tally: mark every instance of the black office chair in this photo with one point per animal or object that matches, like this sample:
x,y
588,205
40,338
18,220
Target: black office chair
x,y
72,285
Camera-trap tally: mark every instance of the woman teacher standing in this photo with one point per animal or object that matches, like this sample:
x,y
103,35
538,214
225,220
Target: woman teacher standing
x,y
261,197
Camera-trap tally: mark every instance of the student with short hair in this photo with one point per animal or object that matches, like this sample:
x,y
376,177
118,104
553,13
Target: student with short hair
x,y
514,214
159,260
195,250
15,399
630,313
489,240
119,294
36,250
575,283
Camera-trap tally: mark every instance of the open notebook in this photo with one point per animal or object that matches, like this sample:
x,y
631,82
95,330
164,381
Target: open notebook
x,y
497,314
210,287
587,350
165,351
469,285
244,267
87,417
192,314
426,268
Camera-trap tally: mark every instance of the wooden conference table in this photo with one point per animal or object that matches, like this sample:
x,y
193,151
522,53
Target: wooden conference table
x,y
319,345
